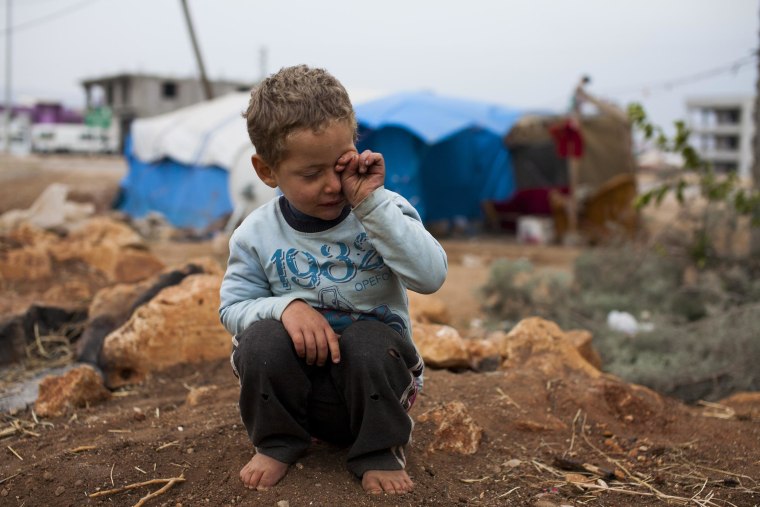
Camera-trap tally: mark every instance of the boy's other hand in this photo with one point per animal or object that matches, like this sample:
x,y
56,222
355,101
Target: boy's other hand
x,y
312,335
360,174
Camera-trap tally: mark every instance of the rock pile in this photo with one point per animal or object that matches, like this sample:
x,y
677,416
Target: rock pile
x,y
105,245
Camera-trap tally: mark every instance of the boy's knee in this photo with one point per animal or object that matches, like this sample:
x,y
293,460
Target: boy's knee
x,y
372,341
263,343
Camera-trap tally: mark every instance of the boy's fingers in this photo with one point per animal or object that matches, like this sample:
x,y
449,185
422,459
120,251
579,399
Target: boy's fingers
x,y
367,157
345,158
298,344
352,163
311,348
334,345
322,349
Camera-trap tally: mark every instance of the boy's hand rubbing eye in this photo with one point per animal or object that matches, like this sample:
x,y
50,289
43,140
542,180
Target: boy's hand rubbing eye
x,y
360,175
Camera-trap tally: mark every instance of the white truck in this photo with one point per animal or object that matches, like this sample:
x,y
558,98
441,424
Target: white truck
x,y
73,138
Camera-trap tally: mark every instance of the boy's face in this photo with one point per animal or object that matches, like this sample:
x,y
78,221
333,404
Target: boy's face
x,y
306,176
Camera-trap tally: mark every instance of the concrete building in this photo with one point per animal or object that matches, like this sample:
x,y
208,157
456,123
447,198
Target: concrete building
x,y
722,129
131,96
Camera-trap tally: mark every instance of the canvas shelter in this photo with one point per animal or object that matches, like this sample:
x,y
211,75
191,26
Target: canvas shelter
x,y
192,165
445,155
605,186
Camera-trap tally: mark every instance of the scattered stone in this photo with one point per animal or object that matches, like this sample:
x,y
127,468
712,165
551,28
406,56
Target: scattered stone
x,y
47,476
578,478
104,245
613,445
550,423
542,345
201,395
427,309
76,388
73,291
582,341
484,354
111,247
50,209
78,482
456,431
179,325
283,503
27,263
59,490
4,492
746,405
441,346
513,463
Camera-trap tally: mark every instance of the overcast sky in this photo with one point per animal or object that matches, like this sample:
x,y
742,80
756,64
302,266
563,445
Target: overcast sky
x,y
521,53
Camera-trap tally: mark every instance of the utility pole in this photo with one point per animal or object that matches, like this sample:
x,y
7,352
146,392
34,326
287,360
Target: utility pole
x,y
204,79
755,231
8,82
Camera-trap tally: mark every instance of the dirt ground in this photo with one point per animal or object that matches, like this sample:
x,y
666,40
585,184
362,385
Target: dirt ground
x,y
538,430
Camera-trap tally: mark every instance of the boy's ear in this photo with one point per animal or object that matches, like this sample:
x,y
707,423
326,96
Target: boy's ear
x,y
265,171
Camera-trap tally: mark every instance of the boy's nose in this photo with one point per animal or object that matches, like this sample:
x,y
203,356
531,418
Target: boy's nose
x,y
332,182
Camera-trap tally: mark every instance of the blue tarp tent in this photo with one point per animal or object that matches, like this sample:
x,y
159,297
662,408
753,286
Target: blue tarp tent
x,y
189,196
445,155
192,165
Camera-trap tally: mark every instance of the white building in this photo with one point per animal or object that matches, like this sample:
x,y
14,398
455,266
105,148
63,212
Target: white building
x,y
722,129
131,96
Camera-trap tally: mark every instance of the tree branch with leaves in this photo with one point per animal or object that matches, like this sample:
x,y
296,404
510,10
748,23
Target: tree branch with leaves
x,y
716,189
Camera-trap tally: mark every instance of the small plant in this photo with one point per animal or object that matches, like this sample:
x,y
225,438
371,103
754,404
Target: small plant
x,y
717,190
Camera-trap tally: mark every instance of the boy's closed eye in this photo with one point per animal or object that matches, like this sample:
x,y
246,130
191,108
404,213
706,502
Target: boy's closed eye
x,y
311,172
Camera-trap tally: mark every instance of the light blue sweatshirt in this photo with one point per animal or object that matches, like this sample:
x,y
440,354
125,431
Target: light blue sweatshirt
x,y
357,269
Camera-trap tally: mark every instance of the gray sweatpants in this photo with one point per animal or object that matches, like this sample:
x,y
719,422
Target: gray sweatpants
x,y
361,402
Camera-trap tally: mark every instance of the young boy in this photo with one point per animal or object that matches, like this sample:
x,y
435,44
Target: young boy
x,y
315,290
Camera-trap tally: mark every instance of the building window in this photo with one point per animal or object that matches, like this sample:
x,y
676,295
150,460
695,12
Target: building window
x,y
728,116
169,89
727,142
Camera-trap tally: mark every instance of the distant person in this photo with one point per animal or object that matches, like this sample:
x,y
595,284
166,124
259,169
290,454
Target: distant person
x,y
315,290
579,96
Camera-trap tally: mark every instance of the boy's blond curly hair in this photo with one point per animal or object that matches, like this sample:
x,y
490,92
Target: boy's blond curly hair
x,y
294,98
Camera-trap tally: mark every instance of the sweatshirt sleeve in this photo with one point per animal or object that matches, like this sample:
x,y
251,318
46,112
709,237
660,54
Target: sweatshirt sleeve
x,y
246,295
408,249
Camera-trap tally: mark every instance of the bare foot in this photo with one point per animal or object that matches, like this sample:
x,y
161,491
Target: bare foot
x,y
387,481
262,472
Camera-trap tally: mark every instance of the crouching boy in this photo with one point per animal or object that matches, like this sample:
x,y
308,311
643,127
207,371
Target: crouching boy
x,y
315,290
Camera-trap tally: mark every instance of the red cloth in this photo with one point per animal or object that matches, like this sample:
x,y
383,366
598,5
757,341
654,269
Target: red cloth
x,y
567,139
529,201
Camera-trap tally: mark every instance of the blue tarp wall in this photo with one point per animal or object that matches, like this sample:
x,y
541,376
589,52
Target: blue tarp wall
x,y
188,196
444,155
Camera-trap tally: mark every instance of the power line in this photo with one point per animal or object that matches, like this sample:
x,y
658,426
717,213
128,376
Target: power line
x,y
669,84
48,17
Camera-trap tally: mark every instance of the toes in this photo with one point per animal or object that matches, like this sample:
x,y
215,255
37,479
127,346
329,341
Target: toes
x,y
372,486
250,477
389,486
